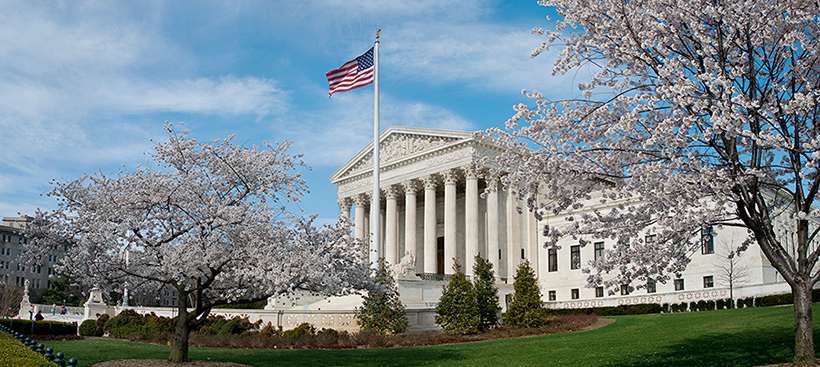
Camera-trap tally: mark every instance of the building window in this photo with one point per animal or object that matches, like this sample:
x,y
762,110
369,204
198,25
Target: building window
x,y
650,238
575,257
708,281
574,293
678,284
599,292
551,295
522,254
499,254
707,240
553,259
624,290
599,251
650,286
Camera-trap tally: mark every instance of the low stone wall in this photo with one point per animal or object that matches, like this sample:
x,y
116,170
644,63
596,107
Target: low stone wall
x,y
712,294
421,319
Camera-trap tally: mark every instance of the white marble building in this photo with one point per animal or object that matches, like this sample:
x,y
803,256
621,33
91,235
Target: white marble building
x,y
433,212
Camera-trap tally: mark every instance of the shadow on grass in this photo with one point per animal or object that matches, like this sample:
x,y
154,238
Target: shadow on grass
x,y
412,356
757,347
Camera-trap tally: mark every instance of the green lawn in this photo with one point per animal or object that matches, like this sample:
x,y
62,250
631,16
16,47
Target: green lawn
x,y
744,337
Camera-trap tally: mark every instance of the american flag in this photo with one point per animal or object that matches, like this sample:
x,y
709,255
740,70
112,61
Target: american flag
x,y
353,74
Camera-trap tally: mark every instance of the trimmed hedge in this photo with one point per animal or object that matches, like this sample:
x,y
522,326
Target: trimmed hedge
x,y
41,327
638,309
702,305
14,353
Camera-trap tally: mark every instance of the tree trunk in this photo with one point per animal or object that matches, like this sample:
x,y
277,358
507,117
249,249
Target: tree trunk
x,y
179,347
803,331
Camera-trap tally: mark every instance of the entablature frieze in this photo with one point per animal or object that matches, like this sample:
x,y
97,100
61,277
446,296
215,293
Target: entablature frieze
x,y
436,163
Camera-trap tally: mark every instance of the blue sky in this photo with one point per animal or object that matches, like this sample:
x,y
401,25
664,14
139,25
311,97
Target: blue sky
x,y
85,85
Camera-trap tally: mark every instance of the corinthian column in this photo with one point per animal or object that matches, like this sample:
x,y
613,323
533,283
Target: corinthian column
x,y
513,234
344,212
360,216
344,208
429,225
450,229
492,230
470,219
391,234
409,218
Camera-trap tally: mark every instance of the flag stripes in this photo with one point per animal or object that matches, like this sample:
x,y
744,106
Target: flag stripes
x,y
353,74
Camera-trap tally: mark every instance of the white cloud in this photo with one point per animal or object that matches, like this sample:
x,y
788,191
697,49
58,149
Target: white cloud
x,y
330,138
227,95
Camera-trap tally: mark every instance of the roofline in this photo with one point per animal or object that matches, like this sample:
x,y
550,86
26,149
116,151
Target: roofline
x,y
398,129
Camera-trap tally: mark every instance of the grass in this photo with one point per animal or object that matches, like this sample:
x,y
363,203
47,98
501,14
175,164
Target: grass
x,y
742,337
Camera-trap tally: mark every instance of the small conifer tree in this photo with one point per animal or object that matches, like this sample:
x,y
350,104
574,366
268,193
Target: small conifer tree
x,y
486,293
457,311
525,309
382,312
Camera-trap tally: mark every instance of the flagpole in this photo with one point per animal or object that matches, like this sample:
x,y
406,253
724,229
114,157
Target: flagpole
x,y
375,252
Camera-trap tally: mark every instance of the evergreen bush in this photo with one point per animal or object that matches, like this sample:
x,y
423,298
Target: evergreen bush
x,y
526,309
382,312
89,328
304,329
457,311
486,294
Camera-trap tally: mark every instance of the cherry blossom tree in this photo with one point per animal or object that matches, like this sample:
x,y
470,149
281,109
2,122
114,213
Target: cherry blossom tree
x,y
697,113
209,220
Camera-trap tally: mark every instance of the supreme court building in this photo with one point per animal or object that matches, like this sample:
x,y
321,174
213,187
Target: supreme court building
x,y
433,211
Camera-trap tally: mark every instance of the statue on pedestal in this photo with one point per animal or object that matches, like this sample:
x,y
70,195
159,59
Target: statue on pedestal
x,y
406,269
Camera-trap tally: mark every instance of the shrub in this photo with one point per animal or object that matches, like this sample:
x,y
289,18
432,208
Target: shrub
x,y
14,353
523,311
304,329
486,294
41,327
269,330
89,328
100,322
457,311
126,324
382,312
776,299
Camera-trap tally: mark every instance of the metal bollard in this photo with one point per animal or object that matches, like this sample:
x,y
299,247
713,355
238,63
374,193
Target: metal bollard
x,y
40,348
59,359
72,362
49,354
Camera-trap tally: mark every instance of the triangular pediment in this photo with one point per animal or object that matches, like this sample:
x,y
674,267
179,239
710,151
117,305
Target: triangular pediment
x,y
398,144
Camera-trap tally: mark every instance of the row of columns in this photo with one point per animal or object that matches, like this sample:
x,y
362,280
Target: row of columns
x,y
430,240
